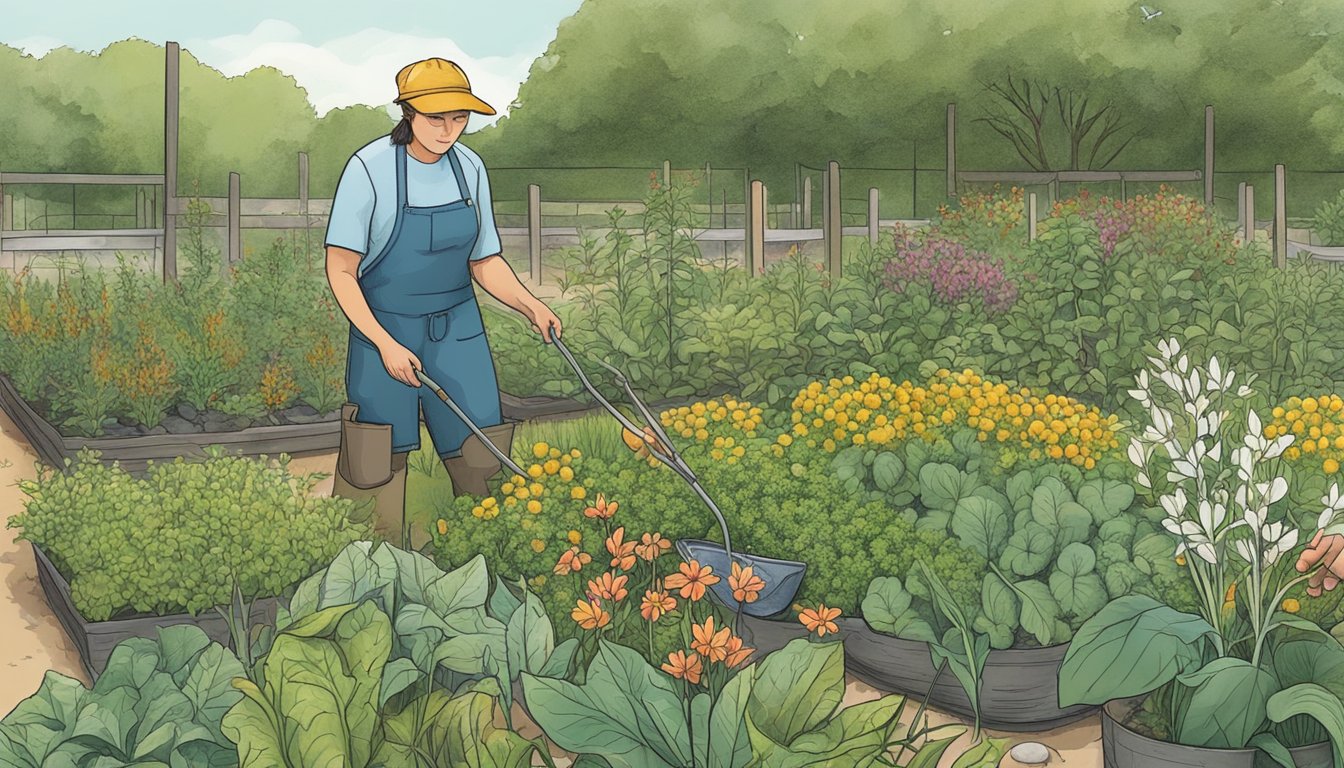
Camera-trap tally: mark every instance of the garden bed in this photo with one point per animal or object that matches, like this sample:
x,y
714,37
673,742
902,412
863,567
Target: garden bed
x,y
96,639
305,436
1125,748
1020,691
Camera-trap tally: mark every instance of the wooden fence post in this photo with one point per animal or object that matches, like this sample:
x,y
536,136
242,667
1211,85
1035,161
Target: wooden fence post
x,y
1031,217
1280,218
235,218
1208,157
5,213
951,150
872,216
755,233
1248,234
1241,205
709,185
832,229
534,232
667,173
170,108
807,203
303,203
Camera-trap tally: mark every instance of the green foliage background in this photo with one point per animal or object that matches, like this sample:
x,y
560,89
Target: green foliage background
x,y
736,83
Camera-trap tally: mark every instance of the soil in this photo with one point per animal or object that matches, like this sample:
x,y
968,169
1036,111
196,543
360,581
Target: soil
x,y
32,640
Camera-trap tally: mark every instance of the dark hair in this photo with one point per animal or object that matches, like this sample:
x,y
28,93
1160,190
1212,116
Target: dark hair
x,y
402,133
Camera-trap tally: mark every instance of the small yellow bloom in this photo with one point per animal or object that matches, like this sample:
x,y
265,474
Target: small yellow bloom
x,y
578,492
538,545
534,506
1291,605
575,537
443,527
566,474
540,450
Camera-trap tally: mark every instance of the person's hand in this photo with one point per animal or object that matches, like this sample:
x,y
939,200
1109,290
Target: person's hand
x,y
401,363
544,321
1326,554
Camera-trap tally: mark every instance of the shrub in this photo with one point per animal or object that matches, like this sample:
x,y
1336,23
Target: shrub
x,y
178,538
953,272
1329,221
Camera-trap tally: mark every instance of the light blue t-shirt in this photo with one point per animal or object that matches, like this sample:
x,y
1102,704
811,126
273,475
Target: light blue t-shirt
x,y
364,208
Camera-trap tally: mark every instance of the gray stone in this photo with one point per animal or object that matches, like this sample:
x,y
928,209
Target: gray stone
x,y
302,410
187,411
158,429
179,425
1030,753
120,430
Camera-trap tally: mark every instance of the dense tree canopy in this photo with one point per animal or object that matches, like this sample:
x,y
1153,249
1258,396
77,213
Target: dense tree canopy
x,y
737,83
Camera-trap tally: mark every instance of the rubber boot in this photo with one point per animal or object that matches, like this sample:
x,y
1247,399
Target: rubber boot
x,y
471,470
368,472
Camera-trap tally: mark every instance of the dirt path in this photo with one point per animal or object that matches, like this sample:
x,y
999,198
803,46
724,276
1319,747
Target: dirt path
x,y
32,640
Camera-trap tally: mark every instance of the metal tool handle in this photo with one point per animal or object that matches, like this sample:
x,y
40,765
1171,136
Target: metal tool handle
x,y
505,460
674,461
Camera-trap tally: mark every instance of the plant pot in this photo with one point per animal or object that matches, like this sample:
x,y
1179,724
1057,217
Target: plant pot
x,y
1125,748
1019,690
96,639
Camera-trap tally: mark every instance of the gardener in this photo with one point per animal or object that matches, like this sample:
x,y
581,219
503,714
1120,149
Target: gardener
x,y
411,225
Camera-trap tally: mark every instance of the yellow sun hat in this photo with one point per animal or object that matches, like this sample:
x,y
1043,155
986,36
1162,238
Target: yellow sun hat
x,y
437,85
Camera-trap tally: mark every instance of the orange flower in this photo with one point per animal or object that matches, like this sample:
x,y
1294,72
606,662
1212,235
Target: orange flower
x,y
609,587
604,509
692,580
622,551
589,615
708,643
572,561
821,620
736,654
683,667
651,546
655,604
746,585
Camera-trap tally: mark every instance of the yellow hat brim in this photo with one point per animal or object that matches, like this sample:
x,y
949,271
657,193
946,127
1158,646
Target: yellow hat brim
x,y
449,101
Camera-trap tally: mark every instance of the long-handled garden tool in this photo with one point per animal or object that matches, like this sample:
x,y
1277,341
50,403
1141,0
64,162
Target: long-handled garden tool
x,y
782,577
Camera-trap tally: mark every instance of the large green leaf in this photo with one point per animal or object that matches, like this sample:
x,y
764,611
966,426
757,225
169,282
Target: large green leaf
x,y
440,730
1054,508
857,736
797,688
39,724
1105,499
941,486
726,743
1040,611
626,712
1000,612
1133,646
1315,702
1227,704
1077,589
987,754
887,471
529,638
887,609
1029,550
323,683
982,525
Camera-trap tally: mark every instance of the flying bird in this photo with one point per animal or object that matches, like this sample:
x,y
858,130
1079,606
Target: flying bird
x,y
1148,13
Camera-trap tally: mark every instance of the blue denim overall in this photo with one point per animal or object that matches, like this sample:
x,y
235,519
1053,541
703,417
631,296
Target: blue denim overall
x,y
419,289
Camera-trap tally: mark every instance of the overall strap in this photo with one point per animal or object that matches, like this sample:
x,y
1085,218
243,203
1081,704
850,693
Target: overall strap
x,y
457,172
401,178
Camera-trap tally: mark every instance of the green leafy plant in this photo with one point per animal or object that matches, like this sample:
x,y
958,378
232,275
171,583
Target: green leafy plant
x,y
174,539
781,711
450,630
327,681
158,702
1196,668
1328,224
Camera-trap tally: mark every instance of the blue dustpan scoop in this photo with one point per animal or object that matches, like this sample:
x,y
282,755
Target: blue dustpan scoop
x,y
782,577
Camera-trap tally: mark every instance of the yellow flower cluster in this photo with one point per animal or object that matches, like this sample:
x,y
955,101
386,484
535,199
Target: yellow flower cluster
x,y
879,411
1317,426
706,421
547,477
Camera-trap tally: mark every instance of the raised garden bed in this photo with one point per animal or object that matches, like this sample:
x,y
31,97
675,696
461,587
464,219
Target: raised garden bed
x,y
314,433
1020,689
96,639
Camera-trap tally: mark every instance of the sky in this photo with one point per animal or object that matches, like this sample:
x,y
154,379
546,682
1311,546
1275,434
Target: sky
x,y
341,52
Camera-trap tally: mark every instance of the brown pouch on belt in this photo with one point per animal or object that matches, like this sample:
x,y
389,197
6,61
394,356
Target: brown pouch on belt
x,y
365,458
